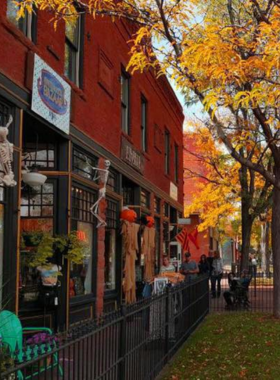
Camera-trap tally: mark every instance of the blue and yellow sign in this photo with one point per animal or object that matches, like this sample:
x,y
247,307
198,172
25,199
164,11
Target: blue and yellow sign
x,y
50,95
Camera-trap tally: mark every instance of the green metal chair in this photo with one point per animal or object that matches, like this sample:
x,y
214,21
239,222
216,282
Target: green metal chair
x,y
11,332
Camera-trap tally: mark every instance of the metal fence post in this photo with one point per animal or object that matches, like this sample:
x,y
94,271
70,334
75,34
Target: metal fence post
x,y
167,306
122,344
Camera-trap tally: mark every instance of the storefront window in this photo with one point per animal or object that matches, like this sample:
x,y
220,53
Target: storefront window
x,y
145,198
84,222
166,209
5,112
37,209
166,238
37,201
81,275
42,155
110,259
157,205
112,183
83,163
110,244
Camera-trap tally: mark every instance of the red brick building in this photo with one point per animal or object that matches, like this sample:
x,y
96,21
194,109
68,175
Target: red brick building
x,y
207,240
74,106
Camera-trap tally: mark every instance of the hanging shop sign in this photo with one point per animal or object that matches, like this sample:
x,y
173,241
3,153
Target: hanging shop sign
x,y
183,221
173,191
50,95
131,156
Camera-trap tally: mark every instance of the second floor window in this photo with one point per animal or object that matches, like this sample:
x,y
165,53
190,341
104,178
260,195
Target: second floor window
x,y
167,152
143,124
125,102
176,162
26,24
72,58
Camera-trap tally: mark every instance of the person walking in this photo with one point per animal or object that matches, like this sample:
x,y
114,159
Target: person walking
x,y
216,276
189,268
203,265
210,259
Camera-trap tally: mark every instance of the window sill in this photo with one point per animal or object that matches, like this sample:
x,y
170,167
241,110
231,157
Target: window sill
x,y
146,155
75,88
128,137
168,176
110,294
82,299
19,35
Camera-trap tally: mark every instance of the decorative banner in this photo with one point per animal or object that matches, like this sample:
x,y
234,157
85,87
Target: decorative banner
x,y
50,95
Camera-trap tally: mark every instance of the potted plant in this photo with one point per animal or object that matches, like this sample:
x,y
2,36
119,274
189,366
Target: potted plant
x,y
42,247
39,246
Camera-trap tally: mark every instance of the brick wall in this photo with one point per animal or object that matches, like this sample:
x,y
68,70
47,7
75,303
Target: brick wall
x,y
96,105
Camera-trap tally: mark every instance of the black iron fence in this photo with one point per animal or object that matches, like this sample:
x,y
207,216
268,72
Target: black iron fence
x,y
254,294
132,343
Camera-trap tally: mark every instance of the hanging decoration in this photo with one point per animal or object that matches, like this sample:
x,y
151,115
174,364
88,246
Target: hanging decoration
x,y
130,241
102,175
128,214
148,249
31,176
184,238
6,156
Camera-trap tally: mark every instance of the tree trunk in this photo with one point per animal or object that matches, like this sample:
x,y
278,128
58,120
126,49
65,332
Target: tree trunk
x,y
276,246
267,254
247,224
246,218
264,248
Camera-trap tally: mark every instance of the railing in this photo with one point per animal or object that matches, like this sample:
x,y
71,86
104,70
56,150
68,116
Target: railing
x,y
259,295
132,343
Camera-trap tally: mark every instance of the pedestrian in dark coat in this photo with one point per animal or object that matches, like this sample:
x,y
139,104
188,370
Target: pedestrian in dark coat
x,y
203,265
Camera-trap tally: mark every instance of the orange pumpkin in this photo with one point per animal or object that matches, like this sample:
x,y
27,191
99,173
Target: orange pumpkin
x,y
128,215
151,221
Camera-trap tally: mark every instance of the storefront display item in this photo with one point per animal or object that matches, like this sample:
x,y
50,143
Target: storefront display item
x,y
128,215
33,178
160,285
71,288
150,221
173,277
130,239
6,156
49,274
148,249
78,286
102,175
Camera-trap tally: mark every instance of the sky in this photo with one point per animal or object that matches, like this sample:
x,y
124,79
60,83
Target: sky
x,y
190,112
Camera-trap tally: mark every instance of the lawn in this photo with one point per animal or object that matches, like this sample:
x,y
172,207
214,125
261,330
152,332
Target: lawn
x,y
230,346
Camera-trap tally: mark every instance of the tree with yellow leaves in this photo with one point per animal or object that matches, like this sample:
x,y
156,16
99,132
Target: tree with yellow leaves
x,y
223,53
223,194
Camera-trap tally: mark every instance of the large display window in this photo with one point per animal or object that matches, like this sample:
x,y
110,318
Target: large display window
x,y
37,220
110,245
81,275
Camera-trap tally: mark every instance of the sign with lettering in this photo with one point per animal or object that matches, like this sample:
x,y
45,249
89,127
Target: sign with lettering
x,y
173,191
50,95
132,156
